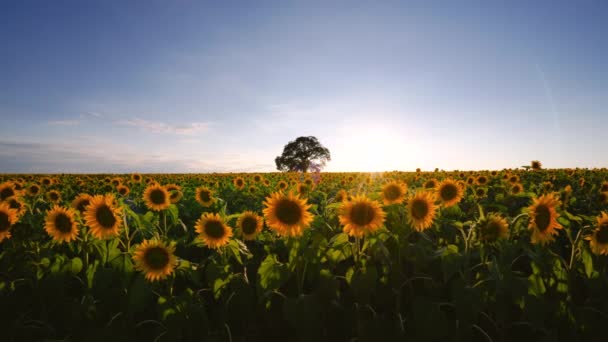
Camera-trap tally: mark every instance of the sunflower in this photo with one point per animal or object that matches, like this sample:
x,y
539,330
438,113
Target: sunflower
x,y
81,202
393,192
123,190
257,178
430,184
33,189
360,216
543,218
204,196
213,231
480,192
603,197
282,185
136,178
239,183
116,181
341,196
157,198
493,227
17,204
421,210
54,196
7,189
598,241
266,182
516,188
470,180
103,217
46,181
8,217
513,179
250,225
287,214
449,192
155,259
175,192
604,187
60,224
536,165
481,180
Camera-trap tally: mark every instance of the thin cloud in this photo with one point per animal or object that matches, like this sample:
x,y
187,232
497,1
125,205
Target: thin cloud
x,y
162,127
64,123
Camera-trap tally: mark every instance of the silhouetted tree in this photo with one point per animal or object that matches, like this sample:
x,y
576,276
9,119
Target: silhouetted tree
x,y
301,154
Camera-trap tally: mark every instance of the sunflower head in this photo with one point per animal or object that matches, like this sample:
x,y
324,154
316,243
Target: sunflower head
x,y
603,197
81,202
516,188
8,217
493,228
250,225
175,192
360,216
481,180
421,210
136,178
257,178
604,187
598,241
33,189
543,219
513,179
7,189
341,196
123,190
155,259
394,192
54,196
103,217
481,192
282,185
287,214
17,204
60,224
157,198
213,231
239,183
204,196
430,184
449,192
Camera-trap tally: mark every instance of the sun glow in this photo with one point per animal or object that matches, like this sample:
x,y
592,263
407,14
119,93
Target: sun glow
x,y
372,148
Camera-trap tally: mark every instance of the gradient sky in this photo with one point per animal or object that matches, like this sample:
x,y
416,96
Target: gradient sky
x,y
201,86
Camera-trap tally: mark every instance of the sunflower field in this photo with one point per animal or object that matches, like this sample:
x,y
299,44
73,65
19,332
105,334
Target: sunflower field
x,y
395,256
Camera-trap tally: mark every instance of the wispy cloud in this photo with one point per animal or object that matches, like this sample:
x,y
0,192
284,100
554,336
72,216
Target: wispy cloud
x,y
162,127
64,123
90,114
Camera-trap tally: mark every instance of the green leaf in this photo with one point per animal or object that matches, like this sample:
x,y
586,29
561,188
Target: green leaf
x,y
587,259
273,274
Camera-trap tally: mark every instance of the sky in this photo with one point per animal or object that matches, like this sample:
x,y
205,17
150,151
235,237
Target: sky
x,y
221,86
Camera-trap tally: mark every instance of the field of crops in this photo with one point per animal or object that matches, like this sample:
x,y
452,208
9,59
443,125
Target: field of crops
x,y
409,256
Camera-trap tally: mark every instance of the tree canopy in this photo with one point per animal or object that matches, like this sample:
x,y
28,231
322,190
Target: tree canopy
x,y
301,154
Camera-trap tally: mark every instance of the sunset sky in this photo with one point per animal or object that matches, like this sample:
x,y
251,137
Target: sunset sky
x,y
203,86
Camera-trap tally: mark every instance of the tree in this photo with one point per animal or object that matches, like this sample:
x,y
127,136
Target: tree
x,y
301,154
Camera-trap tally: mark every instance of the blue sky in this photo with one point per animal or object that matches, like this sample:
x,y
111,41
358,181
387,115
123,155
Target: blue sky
x,y
200,86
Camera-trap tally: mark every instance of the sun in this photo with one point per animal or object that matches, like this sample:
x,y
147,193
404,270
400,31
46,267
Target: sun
x,y
372,148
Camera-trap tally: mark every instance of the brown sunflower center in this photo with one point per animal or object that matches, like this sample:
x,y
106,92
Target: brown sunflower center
x,y
420,209
542,217
515,189
156,258
214,229
122,191
602,233
604,187
82,205
204,196
158,197
239,182
257,178
63,223
34,189
480,192
282,185
105,217
6,193
482,180
513,179
491,231
603,196
175,194
249,225
392,192
14,204
288,211
54,196
46,181
5,223
429,185
362,214
448,192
